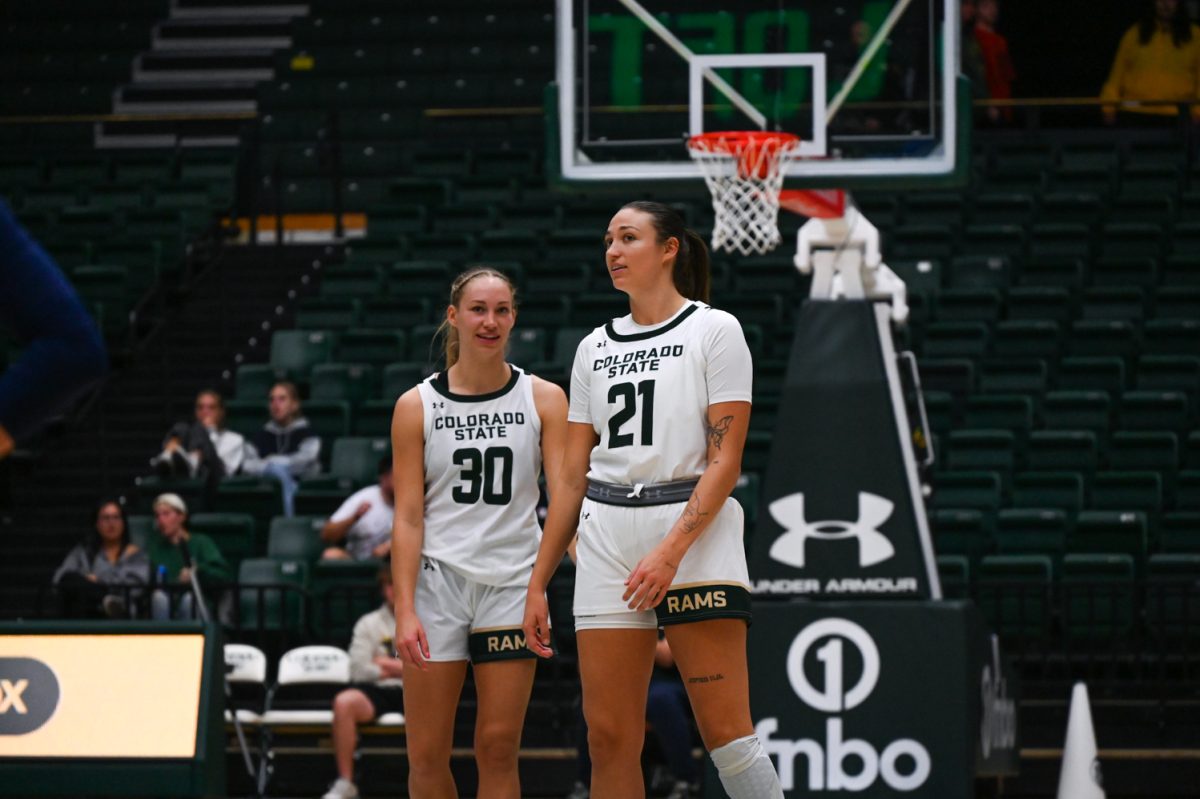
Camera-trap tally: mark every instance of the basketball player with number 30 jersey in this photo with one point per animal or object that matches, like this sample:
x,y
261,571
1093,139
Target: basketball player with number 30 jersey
x,y
468,446
660,408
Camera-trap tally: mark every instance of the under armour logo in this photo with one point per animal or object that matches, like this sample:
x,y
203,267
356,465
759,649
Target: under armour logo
x,y
429,566
587,515
10,696
439,405
601,343
873,546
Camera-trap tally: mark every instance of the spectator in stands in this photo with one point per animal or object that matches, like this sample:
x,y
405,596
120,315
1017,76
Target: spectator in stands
x,y
105,559
202,447
63,354
286,449
972,56
364,521
669,716
176,555
997,63
1157,59
377,674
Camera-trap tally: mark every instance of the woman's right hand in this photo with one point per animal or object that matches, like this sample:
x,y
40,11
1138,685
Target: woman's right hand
x,y
537,623
411,644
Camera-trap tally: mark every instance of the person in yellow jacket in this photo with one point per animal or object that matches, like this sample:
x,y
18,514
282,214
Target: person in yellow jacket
x,y
1158,59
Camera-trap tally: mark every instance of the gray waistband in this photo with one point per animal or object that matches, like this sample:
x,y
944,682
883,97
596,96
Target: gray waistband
x,y
640,494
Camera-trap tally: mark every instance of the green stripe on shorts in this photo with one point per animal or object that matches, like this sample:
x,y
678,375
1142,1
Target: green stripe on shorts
x,y
703,602
492,645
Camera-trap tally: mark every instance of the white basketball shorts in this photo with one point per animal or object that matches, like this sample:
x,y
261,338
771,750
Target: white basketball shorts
x,y
466,620
711,582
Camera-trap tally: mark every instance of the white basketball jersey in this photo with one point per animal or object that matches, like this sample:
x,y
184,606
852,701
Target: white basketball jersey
x,y
646,391
482,460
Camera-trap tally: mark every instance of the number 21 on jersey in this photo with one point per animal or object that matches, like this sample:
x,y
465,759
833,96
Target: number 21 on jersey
x,y
631,399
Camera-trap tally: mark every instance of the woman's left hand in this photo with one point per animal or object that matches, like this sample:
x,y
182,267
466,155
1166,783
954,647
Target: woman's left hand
x,y
647,584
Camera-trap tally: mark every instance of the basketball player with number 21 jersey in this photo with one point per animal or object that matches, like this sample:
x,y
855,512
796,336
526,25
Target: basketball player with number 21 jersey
x,y
468,446
659,411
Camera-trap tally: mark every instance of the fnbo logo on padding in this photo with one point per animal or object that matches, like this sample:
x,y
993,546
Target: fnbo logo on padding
x,y
29,695
903,764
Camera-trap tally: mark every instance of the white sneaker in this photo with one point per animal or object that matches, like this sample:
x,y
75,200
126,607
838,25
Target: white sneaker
x,y
341,789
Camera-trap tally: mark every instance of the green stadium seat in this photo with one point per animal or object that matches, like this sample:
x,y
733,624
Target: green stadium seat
x,y
1156,451
351,282
972,490
328,418
429,279
374,347
1137,240
1169,373
1013,376
1028,338
453,247
985,271
233,533
1060,490
398,378
1030,531
260,498
141,530
343,591
1187,490
1062,271
1114,303
328,313
247,416
1051,303
394,312
1191,450
1181,270
464,219
1131,491
272,595
1015,594
1060,240
991,243
968,305
374,417
1103,337
1109,531
295,352
954,376
1077,410
1179,531
527,346
1003,208
1090,373
962,532
1155,410
348,382
425,346
923,241
295,538
941,411
982,450
1063,450
1013,412
1098,597
956,340
1172,337
192,490
954,573
1177,302
1172,602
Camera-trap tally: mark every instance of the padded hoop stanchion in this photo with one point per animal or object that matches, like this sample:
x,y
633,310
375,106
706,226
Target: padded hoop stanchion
x,y
744,171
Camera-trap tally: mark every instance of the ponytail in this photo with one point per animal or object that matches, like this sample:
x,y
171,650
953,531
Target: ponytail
x,y
691,272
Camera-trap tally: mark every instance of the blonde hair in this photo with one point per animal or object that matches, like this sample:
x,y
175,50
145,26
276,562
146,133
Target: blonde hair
x,y
445,330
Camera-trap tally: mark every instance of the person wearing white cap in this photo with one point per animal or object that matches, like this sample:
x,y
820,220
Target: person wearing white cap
x,y
176,555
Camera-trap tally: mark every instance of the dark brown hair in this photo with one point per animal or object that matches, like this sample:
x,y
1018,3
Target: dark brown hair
x,y
691,269
1180,24
445,329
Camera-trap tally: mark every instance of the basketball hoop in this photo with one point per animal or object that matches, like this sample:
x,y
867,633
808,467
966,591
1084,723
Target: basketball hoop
x,y
744,171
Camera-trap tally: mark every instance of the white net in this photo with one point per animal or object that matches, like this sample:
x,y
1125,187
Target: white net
x,y
744,172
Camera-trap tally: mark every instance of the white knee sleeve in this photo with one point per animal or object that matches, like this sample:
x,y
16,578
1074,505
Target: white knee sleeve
x,y
745,770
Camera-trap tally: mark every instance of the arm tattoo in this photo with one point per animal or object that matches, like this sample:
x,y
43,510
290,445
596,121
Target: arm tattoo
x,y
692,517
716,432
